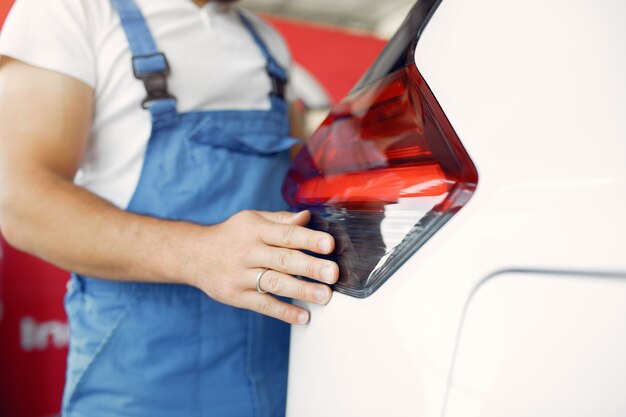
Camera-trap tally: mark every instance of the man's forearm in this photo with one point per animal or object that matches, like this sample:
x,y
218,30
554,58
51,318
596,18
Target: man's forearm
x,y
66,225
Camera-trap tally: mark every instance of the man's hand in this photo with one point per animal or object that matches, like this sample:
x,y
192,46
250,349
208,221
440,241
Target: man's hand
x,y
252,241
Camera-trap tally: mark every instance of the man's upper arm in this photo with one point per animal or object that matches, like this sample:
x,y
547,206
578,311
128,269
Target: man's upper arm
x,y
45,118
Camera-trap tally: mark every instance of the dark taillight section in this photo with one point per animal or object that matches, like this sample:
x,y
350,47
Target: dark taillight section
x,y
382,173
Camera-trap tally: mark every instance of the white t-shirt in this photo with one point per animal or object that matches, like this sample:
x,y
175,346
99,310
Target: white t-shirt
x,y
213,60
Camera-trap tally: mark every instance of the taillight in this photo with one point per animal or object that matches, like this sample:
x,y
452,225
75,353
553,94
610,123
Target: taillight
x,y
382,173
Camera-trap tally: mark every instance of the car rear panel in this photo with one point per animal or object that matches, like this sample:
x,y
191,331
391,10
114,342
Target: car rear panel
x,y
536,94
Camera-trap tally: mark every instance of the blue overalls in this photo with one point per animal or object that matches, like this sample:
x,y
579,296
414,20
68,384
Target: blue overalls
x,y
142,349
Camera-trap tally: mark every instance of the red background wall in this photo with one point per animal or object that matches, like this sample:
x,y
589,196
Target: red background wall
x,y
335,56
33,330
5,5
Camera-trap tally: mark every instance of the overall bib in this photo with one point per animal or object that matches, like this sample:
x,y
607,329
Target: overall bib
x,y
165,350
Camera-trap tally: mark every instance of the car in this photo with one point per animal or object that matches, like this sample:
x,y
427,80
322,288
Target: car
x,y
475,183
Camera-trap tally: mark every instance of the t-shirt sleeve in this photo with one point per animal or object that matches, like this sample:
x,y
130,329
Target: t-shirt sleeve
x,y
51,34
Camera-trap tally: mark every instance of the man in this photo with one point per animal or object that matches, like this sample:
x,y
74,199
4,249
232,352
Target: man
x,y
138,143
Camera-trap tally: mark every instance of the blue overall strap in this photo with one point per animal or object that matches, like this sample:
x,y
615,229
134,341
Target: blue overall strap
x,y
277,74
149,64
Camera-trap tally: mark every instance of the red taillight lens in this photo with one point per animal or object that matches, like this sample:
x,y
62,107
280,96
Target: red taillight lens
x,y
382,173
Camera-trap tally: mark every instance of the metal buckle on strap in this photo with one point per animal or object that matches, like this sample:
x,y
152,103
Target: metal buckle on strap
x,y
278,76
155,82
278,86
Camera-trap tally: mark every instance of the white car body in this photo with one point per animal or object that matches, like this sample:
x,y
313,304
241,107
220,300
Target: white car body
x,y
517,305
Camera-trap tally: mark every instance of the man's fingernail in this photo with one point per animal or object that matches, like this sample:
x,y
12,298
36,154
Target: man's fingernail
x,y
325,245
303,318
328,273
322,295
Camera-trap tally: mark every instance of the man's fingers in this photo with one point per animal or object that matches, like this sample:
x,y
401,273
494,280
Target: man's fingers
x,y
272,307
297,237
302,218
290,233
285,285
294,262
